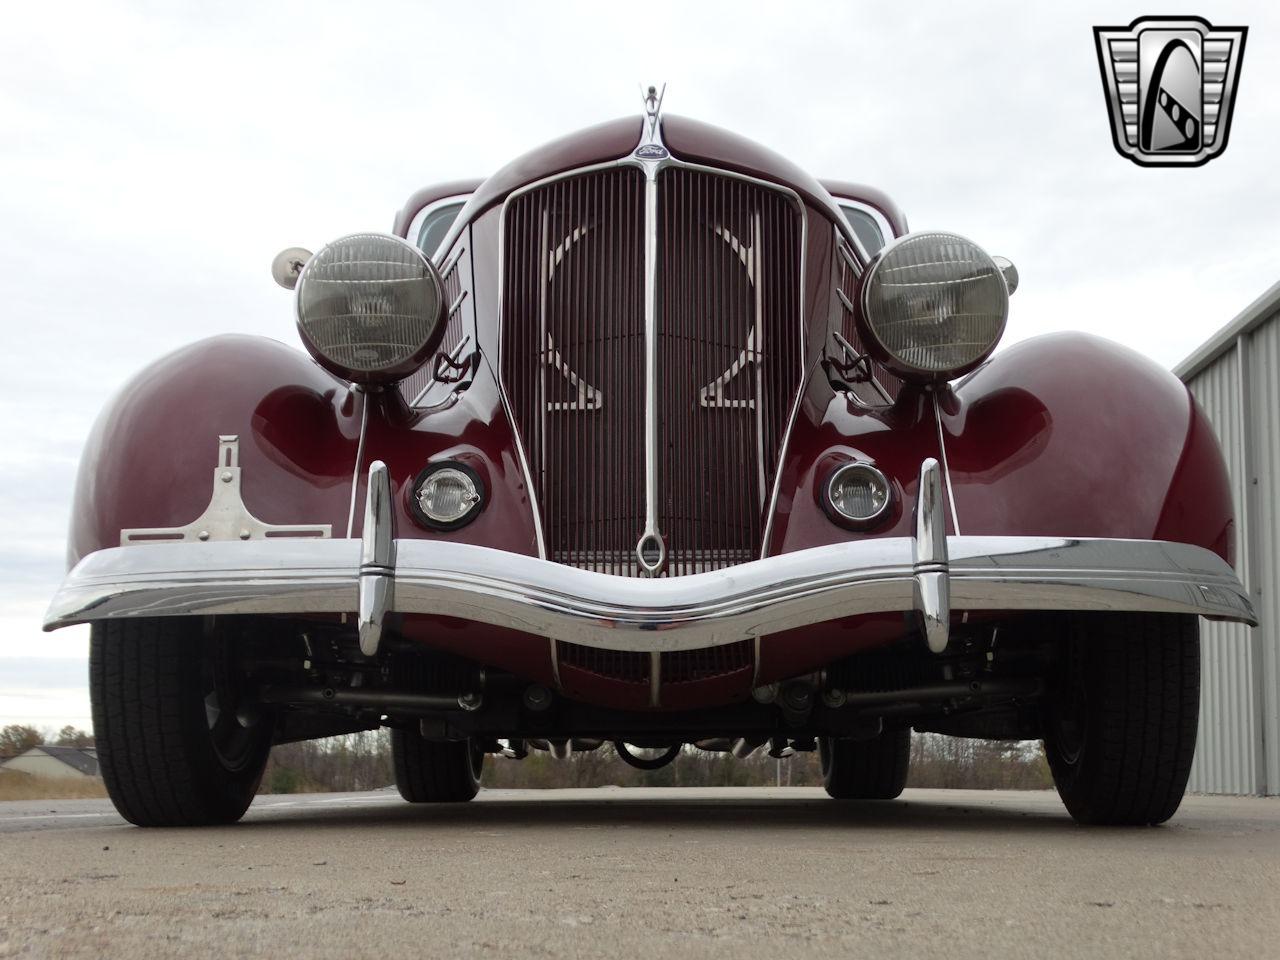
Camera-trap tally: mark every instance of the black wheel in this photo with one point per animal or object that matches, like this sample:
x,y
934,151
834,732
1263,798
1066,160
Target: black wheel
x,y
1121,717
435,771
178,742
866,769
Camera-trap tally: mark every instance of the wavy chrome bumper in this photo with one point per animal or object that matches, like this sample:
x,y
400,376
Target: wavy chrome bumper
x,y
930,573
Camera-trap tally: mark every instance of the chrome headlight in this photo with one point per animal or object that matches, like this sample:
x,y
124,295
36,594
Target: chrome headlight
x,y
369,307
934,306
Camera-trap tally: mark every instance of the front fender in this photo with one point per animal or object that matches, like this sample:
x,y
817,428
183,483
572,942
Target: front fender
x,y
150,458
1073,435
149,461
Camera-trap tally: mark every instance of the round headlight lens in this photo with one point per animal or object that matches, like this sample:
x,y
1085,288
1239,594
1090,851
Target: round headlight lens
x,y
447,496
934,305
369,307
858,493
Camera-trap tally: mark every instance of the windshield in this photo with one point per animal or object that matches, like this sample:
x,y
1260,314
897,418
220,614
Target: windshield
x,y
434,227
865,228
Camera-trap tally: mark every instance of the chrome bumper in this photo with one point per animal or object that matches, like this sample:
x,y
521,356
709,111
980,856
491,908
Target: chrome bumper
x,y
931,573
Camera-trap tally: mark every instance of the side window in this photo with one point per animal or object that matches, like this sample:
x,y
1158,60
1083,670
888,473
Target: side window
x,y
434,226
865,228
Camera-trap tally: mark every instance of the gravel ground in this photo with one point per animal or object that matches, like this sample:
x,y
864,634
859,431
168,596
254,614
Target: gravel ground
x,y
643,873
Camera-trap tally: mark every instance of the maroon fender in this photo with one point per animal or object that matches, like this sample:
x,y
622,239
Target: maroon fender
x,y
1071,435
150,459
1065,435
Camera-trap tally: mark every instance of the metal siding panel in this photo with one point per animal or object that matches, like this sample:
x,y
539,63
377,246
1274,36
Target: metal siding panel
x,y
1225,757
1239,748
1264,354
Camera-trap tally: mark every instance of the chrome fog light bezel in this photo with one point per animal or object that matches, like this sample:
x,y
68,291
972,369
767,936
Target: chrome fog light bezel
x,y
848,520
455,469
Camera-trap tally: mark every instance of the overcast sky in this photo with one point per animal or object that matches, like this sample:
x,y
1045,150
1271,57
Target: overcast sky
x,y
154,157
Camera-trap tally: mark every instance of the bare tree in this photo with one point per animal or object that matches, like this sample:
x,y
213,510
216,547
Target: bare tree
x,y
70,736
18,738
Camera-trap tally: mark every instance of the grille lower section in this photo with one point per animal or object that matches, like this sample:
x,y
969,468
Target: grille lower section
x,y
710,663
727,345
624,666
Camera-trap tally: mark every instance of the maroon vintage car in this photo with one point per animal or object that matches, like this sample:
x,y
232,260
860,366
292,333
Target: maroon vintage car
x,y
648,439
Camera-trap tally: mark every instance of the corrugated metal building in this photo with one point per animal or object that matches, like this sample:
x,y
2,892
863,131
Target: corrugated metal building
x,y
1236,378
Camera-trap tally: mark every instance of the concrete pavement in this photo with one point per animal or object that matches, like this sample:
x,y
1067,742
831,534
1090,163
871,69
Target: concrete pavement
x,y
643,873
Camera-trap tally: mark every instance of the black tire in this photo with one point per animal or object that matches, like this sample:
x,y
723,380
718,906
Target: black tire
x,y
1121,718
171,750
866,769
435,771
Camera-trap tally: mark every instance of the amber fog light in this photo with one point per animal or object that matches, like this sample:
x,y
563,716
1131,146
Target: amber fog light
x,y
857,495
447,496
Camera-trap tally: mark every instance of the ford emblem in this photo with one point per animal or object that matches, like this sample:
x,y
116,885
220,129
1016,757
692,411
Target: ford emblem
x,y
652,151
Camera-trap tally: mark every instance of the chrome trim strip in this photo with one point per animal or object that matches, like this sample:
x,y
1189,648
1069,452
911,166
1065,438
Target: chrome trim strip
x,y
772,509
932,595
361,392
653,615
946,468
377,559
651,533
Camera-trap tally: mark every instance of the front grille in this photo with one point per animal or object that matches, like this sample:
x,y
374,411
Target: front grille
x,y
709,663
728,352
626,666
573,360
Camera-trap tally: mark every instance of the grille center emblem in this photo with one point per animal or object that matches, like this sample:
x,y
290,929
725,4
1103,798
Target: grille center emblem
x,y
651,151
1170,84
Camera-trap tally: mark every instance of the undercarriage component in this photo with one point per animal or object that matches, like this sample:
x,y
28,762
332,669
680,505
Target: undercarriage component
x,y
385,700
646,763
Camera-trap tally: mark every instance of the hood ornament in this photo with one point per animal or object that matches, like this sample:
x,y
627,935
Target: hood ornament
x,y
653,109
651,147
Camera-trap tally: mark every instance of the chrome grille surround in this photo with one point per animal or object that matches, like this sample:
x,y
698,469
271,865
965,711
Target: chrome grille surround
x,y
565,376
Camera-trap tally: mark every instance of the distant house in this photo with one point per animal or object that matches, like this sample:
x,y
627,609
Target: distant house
x,y
55,762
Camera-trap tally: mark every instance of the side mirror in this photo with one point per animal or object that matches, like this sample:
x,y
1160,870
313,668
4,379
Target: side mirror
x,y
1009,270
287,266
